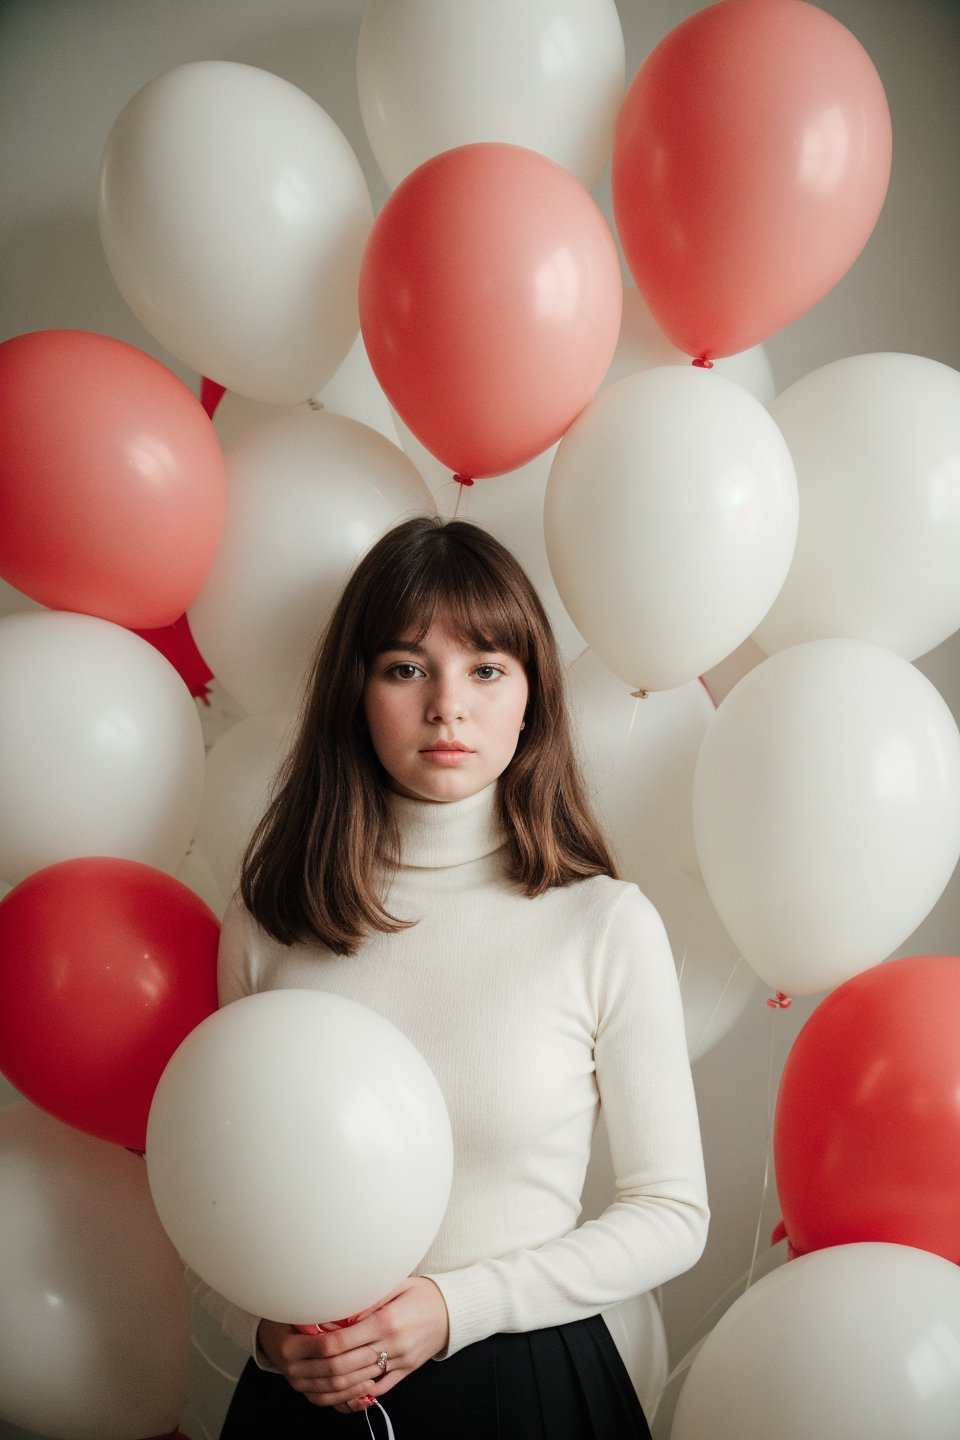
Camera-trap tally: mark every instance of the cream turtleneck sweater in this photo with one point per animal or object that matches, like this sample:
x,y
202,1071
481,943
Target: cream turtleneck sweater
x,y
532,1015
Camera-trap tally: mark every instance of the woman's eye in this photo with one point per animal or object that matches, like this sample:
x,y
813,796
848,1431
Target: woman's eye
x,y
404,671
488,672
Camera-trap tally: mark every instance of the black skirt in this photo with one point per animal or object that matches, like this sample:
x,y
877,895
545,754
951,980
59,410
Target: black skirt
x,y
564,1383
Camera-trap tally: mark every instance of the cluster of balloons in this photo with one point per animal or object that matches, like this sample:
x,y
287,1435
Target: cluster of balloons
x,y
859,1334
358,368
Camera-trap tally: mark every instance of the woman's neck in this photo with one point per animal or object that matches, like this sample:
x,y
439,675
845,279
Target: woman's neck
x,y
437,835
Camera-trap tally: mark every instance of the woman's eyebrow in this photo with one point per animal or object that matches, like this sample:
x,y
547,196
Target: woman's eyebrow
x,y
409,647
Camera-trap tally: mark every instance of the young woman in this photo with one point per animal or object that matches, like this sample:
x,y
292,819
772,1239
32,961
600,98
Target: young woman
x,y
431,854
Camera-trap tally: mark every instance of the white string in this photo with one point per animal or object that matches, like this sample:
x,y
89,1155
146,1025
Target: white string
x,y
748,1276
716,1009
461,500
195,1420
213,1365
386,1421
683,958
633,719
766,1162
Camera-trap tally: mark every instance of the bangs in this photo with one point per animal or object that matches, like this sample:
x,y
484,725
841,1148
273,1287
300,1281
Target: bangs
x,y
479,602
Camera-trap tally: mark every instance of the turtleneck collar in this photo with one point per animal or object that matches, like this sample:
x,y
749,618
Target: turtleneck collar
x,y
435,835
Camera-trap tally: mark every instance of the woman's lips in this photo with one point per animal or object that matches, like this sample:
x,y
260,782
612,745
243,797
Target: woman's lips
x,y
446,754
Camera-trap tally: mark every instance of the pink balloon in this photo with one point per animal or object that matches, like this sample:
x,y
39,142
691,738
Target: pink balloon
x,y
113,486
751,161
490,300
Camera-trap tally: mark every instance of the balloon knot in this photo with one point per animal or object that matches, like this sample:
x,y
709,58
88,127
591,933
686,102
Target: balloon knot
x,y
779,1001
639,694
463,479
703,362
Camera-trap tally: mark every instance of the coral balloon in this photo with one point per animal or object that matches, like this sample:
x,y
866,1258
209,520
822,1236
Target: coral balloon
x,y
87,1275
547,74
867,1128
859,1341
112,482
233,215
299,1154
490,300
105,966
751,161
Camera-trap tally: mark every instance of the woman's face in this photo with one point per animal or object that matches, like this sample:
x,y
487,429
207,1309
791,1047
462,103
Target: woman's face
x,y
444,718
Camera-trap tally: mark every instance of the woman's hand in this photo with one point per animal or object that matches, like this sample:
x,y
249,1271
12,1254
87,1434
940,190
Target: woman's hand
x,y
338,1367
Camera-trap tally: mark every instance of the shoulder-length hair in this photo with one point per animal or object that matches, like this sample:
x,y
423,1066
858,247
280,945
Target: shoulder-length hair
x,y
315,862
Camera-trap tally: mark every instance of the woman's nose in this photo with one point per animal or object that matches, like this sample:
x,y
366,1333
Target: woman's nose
x,y
447,704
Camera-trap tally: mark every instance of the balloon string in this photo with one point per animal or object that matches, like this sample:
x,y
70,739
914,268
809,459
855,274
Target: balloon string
x,y
462,485
716,1009
386,1421
766,1163
213,1365
747,1278
683,958
633,718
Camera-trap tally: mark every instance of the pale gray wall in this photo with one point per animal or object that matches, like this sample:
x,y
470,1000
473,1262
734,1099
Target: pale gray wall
x,y
67,68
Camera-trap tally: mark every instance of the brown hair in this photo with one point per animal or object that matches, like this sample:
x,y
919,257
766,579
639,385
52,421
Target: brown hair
x,y
312,865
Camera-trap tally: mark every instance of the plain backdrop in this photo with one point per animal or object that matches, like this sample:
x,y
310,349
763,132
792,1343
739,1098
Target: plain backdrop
x,y
68,67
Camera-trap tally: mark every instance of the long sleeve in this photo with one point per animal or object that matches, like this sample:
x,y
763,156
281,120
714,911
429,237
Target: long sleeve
x,y
657,1224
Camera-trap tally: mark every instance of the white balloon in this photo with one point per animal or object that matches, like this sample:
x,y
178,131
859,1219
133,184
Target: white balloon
x,y
94,1316
639,758
299,1154
307,494
241,766
670,521
637,1329
860,1341
876,443
233,214
545,74
716,984
643,346
826,809
101,747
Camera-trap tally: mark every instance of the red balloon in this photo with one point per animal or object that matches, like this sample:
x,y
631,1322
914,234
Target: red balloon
x,y
751,161
867,1124
490,301
211,393
105,966
112,479
176,643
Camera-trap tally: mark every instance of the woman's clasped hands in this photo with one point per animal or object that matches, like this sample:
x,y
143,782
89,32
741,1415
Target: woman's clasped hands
x,y
351,1365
